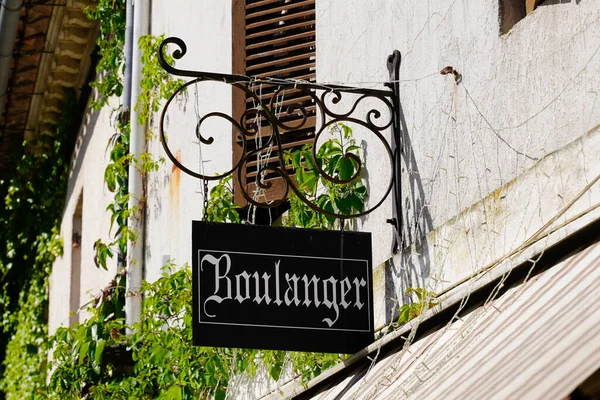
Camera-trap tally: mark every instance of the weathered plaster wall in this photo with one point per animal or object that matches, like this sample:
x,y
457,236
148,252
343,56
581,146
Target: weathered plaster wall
x,y
86,179
522,96
175,198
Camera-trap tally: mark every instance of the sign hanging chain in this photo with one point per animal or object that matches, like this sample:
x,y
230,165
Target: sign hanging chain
x,y
205,206
200,158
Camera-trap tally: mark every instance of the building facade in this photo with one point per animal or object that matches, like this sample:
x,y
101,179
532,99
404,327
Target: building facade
x,y
500,136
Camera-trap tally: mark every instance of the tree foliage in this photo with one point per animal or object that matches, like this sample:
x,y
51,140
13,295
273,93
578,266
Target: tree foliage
x,y
29,223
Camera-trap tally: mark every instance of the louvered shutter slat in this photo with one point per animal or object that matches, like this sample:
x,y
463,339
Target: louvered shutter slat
x,y
280,61
261,3
279,19
285,8
285,39
302,46
280,29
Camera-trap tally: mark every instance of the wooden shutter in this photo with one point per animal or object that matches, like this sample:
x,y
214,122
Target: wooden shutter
x,y
276,39
530,5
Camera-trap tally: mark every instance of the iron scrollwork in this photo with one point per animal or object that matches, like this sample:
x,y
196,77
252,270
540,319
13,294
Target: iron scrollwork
x,y
327,100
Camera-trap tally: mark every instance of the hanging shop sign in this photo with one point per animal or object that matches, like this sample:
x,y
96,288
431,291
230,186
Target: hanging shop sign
x,y
281,288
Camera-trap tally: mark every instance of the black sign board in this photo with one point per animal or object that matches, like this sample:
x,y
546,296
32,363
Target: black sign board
x,y
281,288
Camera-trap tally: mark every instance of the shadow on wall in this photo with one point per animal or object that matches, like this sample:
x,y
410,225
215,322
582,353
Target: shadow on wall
x,y
412,267
82,142
553,2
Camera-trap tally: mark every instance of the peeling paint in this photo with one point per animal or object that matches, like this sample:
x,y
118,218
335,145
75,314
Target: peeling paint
x,y
174,187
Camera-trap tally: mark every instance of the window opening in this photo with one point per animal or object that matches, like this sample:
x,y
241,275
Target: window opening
x,y
512,11
75,290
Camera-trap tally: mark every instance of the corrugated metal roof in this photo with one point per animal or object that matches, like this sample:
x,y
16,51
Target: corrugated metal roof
x,y
539,340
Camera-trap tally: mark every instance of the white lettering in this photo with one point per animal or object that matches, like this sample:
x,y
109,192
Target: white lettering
x,y
333,302
315,281
344,292
287,298
334,294
277,292
238,286
216,262
257,297
358,284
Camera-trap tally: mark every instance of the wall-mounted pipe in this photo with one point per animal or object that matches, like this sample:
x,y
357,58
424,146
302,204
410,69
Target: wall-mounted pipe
x,y
137,144
10,12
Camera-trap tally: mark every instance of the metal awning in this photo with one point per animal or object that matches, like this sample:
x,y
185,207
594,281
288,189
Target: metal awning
x,y
537,340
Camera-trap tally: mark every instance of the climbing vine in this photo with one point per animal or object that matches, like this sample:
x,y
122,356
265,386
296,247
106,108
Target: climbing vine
x,y
425,301
29,225
340,199
111,63
156,85
95,359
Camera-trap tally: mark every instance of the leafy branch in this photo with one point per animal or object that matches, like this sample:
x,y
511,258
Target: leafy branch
x,y
333,158
425,301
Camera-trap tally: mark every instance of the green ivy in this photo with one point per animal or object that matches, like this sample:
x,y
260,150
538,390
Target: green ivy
x,y
333,157
158,361
111,63
95,359
425,300
29,221
156,83
163,362
221,206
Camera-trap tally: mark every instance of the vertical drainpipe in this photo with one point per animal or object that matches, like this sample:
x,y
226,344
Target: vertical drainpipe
x,y
10,11
126,111
128,54
137,141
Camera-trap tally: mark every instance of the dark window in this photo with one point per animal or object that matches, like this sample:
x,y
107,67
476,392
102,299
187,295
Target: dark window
x,y
512,11
75,292
273,39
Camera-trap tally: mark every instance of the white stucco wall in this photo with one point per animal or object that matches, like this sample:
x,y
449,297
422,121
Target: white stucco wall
x,y
86,178
522,96
175,198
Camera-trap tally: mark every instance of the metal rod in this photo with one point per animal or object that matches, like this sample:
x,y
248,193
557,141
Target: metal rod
x,y
393,65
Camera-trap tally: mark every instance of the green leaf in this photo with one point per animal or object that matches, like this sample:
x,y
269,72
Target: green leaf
x,y
275,371
296,159
99,351
352,149
332,164
174,393
404,314
83,349
346,168
159,354
344,206
220,394
308,158
356,203
346,129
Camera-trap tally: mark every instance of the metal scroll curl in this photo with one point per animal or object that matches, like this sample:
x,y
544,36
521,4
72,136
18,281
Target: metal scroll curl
x,y
360,107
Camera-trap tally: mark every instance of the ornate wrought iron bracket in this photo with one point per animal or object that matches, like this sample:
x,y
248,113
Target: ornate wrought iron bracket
x,y
333,104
